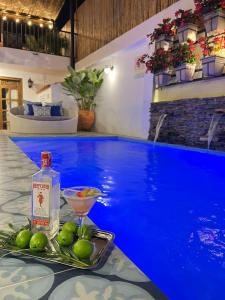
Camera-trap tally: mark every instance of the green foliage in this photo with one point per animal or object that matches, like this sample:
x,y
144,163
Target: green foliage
x,y
183,54
52,42
83,86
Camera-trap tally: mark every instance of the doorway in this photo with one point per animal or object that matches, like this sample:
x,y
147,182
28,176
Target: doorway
x,y
11,95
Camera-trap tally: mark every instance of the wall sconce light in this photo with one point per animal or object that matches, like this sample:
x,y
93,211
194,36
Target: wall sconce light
x,y
108,69
30,83
4,18
29,23
17,20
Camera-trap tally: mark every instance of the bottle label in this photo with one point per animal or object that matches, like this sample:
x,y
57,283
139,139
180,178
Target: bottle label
x,y
41,203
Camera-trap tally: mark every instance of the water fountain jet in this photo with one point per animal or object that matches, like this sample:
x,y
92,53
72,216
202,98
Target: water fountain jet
x,y
159,125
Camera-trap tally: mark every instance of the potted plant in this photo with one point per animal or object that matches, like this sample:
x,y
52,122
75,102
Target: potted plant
x,y
213,12
213,50
83,86
184,61
159,64
163,35
64,45
187,24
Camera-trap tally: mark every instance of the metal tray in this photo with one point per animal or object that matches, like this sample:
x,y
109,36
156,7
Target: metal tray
x,y
102,247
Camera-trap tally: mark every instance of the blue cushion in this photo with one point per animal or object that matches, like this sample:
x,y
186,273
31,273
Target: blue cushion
x,y
28,107
56,110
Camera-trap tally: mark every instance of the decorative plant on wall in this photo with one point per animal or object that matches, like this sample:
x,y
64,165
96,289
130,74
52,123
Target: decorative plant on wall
x,y
183,54
184,60
185,17
187,23
213,50
83,86
159,63
212,46
213,14
166,28
206,6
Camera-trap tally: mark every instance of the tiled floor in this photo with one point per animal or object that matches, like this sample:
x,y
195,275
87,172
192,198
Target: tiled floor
x,y
26,278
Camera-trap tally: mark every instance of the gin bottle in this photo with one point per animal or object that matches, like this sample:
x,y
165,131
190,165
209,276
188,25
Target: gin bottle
x,y
46,198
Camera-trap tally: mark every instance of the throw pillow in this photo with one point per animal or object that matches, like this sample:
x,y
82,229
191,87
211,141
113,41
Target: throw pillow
x,y
42,111
56,108
28,107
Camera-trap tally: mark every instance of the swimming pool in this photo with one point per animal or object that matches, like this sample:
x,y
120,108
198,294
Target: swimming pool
x,y
166,206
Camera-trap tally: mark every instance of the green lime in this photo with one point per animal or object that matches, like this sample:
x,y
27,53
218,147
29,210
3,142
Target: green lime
x,y
65,238
84,232
23,238
70,226
83,249
38,241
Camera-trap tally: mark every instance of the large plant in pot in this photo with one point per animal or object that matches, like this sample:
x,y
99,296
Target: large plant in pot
x,y
83,86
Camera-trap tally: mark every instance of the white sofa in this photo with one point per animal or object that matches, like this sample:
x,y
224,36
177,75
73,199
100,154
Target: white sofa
x,y
21,124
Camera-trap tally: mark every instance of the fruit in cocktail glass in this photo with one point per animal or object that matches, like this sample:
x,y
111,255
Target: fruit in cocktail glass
x,y
82,199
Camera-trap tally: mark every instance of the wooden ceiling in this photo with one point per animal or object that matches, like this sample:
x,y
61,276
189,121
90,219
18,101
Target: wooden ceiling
x,y
42,8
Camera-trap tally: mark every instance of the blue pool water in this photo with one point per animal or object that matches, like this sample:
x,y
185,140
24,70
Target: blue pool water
x,y
165,204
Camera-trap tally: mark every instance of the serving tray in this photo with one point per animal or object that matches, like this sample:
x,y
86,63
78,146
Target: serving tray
x,y
101,239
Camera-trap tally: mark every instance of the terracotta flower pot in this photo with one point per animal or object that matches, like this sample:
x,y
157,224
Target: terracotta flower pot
x,y
86,120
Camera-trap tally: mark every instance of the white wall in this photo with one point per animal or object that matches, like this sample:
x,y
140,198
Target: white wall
x,y
33,60
124,100
39,80
42,68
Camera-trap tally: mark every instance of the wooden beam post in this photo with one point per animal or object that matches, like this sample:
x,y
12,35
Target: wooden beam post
x,y
72,39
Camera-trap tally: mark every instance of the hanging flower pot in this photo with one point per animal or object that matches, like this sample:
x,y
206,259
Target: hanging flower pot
x,y
162,78
164,42
214,21
185,72
163,35
187,32
187,23
159,64
212,66
184,61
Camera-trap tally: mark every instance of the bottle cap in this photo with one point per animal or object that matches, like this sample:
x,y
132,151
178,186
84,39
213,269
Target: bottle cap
x,y
46,159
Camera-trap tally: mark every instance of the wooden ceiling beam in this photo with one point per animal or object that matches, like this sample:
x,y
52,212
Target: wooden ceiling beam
x,y
64,13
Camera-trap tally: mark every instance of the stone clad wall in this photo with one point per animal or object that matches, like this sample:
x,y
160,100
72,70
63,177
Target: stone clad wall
x,y
187,120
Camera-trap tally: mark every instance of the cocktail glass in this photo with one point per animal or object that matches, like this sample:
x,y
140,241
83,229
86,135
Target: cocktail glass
x,y
81,205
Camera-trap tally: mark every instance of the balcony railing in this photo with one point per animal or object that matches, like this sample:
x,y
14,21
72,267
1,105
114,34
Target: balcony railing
x,y
34,38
